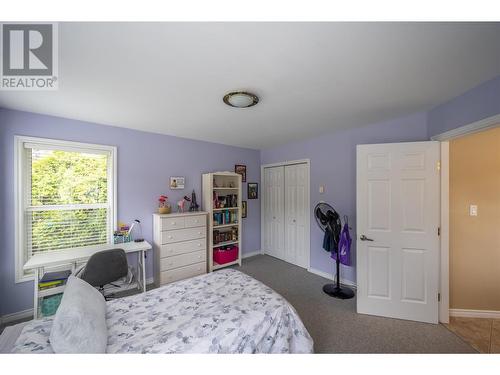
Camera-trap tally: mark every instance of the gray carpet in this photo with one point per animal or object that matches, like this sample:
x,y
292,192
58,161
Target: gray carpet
x,y
334,324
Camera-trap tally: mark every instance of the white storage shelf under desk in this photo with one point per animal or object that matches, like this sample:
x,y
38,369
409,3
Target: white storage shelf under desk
x,y
73,257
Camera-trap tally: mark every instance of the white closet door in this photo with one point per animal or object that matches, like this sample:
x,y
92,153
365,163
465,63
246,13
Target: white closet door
x,y
296,193
274,212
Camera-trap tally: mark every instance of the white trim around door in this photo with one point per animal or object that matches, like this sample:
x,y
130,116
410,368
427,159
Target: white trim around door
x,y
307,162
474,127
444,257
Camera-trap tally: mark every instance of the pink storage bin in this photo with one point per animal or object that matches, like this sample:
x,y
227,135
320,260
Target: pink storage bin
x,y
230,254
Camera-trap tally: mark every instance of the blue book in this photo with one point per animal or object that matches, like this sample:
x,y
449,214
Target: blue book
x,y
55,276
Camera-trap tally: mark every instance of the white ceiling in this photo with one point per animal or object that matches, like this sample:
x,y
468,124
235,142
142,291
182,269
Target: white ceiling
x,y
311,77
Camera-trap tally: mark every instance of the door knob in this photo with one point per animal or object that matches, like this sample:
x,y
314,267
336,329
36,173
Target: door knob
x,y
364,238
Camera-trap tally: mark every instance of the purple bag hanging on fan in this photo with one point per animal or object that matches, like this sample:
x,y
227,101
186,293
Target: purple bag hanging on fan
x,y
344,246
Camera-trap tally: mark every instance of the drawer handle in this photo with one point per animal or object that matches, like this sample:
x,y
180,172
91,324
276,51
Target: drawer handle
x,y
199,244
174,223
170,237
199,232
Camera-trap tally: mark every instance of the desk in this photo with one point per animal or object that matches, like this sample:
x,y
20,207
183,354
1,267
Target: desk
x,y
73,257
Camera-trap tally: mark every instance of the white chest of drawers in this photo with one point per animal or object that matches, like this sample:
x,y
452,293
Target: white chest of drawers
x,y
180,246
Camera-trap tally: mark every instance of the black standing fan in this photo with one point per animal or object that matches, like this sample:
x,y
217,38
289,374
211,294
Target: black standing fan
x,y
329,221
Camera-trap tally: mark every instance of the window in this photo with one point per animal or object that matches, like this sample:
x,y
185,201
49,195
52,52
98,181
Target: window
x,y
65,197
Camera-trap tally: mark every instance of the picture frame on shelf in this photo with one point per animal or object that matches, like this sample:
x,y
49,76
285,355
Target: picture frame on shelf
x,y
243,209
253,190
242,170
177,182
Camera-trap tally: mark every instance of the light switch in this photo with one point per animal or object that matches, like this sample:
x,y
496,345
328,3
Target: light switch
x,y
321,189
473,210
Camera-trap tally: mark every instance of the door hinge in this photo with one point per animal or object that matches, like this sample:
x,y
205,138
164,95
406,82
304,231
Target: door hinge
x,y
438,165
439,297
439,231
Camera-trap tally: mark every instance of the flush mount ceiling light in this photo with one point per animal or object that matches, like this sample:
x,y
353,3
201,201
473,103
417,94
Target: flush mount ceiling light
x,y
240,99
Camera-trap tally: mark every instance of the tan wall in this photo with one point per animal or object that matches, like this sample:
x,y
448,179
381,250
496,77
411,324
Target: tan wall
x,y
475,240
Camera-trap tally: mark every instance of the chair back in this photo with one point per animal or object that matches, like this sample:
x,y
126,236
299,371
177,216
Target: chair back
x,y
105,267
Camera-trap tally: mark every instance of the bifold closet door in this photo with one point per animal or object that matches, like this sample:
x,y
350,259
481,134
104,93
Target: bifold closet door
x,y
274,212
296,193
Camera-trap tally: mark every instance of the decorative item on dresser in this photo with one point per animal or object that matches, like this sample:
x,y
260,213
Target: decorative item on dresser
x,y
194,206
222,201
182,203
163,205
180,243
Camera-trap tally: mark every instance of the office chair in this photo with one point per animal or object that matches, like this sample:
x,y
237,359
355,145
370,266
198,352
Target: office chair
x,y
105,267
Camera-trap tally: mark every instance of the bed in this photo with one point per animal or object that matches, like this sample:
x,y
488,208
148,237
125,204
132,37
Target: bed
x,y
221,312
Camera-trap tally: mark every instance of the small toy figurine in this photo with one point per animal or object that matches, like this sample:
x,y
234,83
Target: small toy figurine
x,y
193,206
182,202
216,200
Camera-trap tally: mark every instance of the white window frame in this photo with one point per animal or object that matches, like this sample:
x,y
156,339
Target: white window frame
x,y
20,189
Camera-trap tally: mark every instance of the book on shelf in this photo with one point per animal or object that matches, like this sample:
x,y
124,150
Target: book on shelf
x,y
51,284
54,276
53,279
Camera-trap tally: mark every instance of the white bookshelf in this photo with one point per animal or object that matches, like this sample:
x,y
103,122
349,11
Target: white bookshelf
x,y
223,184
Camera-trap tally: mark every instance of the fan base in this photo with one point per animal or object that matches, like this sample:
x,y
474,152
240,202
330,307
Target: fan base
x,y
338,292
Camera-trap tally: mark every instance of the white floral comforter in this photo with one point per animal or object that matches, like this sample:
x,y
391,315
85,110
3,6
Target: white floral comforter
x,y
220,312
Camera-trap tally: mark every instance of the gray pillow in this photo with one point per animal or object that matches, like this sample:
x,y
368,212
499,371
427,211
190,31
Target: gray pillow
x,y
80,322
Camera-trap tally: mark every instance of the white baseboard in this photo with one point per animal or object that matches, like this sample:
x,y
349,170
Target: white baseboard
x,y
331,277
251,254
465,313
29,312
16,316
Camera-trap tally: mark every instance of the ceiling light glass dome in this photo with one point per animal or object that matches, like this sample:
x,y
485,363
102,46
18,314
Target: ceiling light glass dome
x,y
240,99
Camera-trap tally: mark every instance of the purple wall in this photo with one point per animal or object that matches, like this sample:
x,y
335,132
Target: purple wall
x,y
476,104
145,163
333,164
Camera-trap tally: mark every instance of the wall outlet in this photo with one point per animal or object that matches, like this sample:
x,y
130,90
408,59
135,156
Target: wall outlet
x,y
473,210
321,189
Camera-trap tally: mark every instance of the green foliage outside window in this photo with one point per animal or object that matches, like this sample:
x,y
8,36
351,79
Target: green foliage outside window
x,y
67,178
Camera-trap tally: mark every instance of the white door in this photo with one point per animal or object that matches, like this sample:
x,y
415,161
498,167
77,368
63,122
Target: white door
x,y
397,230
274,211
296,223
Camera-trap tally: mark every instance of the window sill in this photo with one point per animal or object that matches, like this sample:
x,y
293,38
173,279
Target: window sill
x,y
24,279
